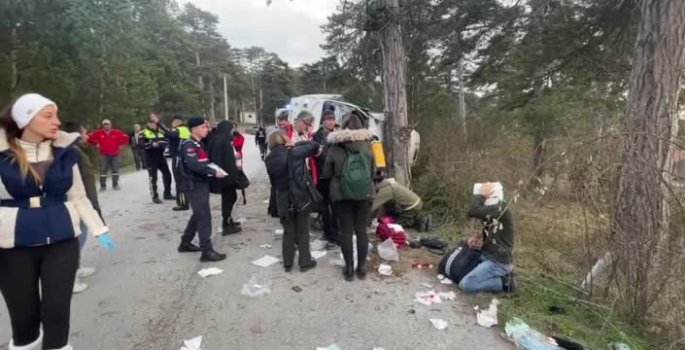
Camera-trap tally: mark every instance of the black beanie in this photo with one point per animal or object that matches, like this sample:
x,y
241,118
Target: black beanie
x,y
195,121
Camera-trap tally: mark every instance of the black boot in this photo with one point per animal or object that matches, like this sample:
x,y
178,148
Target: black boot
x,y
234,223
187,247
180,208
156,200
308,267
509,283
348,273
211,255
169,197
230,230
361,272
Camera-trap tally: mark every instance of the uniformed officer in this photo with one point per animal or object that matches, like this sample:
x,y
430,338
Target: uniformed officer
x,y
194,170
176,135
154,142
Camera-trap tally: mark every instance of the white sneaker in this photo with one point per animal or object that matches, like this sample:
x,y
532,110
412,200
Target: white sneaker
x,y
79,287
85,272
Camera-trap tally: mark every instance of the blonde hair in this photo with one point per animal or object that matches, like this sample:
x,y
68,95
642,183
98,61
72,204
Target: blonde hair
x,y
277,138
12,133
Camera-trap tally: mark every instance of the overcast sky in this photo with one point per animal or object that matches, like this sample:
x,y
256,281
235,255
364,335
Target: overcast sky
x,y
291,29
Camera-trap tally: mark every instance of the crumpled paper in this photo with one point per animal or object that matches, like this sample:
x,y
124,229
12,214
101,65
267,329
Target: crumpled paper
x,y
192,344
448,296
439,323
265,261
385,270
487,318
427,298
318,254
331,347
204,273
445,280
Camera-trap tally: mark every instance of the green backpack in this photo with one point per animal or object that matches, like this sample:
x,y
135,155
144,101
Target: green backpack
x,y
356,177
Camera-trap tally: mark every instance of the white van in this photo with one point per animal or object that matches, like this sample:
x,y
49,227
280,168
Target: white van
x,y
316,104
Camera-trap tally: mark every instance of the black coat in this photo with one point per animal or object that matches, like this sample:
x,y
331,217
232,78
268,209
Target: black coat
x,y
290,177
222,154
320,137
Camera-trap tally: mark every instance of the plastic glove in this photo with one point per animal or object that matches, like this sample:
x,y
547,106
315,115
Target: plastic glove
x,y
106,242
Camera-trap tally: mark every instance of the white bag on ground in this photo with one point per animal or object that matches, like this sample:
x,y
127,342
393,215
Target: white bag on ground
x,y
388,251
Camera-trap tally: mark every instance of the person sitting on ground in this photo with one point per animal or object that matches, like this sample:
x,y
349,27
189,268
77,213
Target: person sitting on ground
x,y
295,194
496,241
400,203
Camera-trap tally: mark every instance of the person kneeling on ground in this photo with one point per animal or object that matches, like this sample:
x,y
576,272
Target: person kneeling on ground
x,y
496,241
295,194
399,202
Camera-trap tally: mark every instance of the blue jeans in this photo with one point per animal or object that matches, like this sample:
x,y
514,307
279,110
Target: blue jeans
x,y
486,277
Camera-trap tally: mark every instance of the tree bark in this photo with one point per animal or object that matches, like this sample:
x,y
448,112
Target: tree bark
x,y
212,100
462,102
14,74
642,210
397,130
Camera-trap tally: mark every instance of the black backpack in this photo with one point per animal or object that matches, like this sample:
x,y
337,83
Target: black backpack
x,y
459,262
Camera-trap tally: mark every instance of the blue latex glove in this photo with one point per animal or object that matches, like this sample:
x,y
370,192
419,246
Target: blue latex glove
x,y
106,242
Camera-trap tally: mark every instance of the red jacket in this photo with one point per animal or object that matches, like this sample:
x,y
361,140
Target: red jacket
x,y
238,143
108,142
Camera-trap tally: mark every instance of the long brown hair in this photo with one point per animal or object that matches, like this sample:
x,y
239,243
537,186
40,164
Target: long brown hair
x,y
13,133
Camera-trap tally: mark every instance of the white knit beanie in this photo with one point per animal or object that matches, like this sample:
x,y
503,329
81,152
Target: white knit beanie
x,y
27,107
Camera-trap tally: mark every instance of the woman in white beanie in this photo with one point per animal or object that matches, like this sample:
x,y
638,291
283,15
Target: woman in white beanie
x,y
42,202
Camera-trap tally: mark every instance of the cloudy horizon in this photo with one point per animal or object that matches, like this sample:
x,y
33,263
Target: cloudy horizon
x,y
291,29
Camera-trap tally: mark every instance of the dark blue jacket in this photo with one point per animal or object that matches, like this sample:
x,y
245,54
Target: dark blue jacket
x,y
31,215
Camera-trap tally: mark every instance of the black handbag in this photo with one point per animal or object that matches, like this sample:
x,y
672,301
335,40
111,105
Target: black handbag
x,y
242,182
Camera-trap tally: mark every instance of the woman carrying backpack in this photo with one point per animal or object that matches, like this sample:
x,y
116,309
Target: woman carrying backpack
x,y
350,167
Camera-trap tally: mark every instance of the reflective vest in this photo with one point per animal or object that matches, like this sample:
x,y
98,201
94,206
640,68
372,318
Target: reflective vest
x,y
150,134
183,132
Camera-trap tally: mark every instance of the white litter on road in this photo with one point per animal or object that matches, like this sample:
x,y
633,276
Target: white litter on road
x,y
439,323
266,246
317,245
266,201
255,288
192,344
427,285
318,254
487,318
278,232
451,296
385,270
331,347
265,261
445,280
204,273
427,298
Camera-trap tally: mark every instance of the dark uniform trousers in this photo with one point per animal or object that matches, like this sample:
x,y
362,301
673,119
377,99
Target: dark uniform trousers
x,y
156,161
201,220
181,199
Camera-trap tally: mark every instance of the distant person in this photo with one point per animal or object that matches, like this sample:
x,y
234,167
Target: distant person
x,y
137,148
331,224
496,241
176,134
221,153
401,203
295,194
155,142
260,141
87,169
41,194
350,167
109,142
194,168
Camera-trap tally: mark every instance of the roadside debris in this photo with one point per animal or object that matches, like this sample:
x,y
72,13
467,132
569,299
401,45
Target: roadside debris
x,y
528,338
618,346
487,318
265,261
427,298
451,296
388,251
420,266
279,232
330,347
439,323
253,288
445,280
296,289
318,254
192,344
317,245
385,270
266,246
204,273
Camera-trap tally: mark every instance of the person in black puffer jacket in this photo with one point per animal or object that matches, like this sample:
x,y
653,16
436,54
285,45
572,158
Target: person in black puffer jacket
x,y
222,154
295,194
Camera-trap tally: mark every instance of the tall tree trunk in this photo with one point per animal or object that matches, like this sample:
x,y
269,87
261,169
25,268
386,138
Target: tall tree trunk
x,y
14,74
397,130
540,133
462,101
642,222
212,100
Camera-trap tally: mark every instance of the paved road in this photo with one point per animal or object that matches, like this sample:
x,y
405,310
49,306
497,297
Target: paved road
x,y
145,296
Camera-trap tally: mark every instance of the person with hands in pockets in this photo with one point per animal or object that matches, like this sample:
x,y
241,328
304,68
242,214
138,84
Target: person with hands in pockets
x,y
42,203
195,172
495,241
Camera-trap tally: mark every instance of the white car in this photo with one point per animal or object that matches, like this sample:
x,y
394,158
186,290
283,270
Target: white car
x,y
316,104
